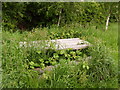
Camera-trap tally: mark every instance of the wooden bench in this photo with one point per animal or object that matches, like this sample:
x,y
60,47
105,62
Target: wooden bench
x,y
58,44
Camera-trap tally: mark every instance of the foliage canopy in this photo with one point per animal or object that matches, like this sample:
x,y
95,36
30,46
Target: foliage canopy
x,y
26,15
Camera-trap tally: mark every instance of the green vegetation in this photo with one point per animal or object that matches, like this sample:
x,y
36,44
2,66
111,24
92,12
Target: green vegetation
x,y
98,72
29,15
95,22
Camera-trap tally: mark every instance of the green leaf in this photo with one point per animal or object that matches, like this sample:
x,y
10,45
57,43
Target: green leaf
x,y
32,67
62,52
31,63
87,67
38,52
55,55
41,60
83,66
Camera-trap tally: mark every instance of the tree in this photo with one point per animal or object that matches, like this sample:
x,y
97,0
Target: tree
x,y
12,13
44,14
111,12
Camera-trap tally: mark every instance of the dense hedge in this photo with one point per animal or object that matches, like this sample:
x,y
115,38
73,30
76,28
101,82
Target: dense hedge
x,y
26,15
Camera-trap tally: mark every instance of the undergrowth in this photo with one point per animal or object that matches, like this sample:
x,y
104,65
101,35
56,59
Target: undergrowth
x,y
98,72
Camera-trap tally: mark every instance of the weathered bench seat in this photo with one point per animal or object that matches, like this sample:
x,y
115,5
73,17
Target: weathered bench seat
x,y
73,43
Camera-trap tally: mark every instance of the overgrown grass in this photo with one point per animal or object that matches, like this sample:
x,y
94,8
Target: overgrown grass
x,y
98,72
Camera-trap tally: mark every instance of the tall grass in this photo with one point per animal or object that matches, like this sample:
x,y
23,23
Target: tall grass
x,y
98,72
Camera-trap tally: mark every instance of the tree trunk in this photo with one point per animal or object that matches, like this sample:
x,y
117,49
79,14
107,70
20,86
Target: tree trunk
x,y
59,18
107,22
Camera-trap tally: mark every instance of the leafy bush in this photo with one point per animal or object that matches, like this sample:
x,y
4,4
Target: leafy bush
x,y
43,58
65,34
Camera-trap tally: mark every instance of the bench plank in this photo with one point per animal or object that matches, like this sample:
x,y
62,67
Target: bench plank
x,y
73,43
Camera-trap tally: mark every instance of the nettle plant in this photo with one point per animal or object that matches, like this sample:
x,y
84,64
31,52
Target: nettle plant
x,y
47,57
64,34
